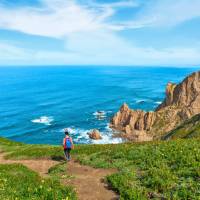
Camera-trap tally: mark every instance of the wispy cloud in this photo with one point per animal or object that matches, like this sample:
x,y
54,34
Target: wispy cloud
x,y
90,32
164,13
58,18
54,20
108,53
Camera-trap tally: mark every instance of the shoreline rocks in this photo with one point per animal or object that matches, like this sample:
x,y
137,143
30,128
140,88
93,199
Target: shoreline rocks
x,y
182,102
95,135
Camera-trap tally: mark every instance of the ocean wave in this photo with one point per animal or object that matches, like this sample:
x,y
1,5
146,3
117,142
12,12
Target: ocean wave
x,y
141,101
43,120
47,104
158,102
107,139
100,115
81,136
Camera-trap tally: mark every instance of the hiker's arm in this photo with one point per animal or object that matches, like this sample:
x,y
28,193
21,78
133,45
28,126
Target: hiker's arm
x,y
63,142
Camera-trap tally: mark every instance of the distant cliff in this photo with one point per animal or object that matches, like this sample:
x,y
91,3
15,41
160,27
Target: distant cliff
x,y
181,103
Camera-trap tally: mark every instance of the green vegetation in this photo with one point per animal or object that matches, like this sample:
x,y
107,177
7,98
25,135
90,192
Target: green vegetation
x,y
19,182
26,151
188,129
154,170
168,170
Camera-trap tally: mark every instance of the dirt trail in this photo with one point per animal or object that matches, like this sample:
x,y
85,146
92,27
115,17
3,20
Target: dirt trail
x,y
88,182
40,166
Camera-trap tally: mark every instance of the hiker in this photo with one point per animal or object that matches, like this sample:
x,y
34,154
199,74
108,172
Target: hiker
x,y
67,145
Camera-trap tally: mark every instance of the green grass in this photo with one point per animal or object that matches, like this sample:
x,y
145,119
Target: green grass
x,y
16,150
19,182
59,172
154,170
188,129
168,170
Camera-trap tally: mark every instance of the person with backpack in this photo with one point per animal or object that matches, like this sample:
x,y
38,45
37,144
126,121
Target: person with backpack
x,y
67,145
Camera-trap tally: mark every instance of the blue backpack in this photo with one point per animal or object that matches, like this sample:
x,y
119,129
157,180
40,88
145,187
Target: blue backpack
x,y
68,144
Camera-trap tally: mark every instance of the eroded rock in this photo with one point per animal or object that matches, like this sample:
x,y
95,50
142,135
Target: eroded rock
x,y
95,135
181,103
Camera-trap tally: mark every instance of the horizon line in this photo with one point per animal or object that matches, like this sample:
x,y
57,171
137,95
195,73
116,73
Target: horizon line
x,y
97,65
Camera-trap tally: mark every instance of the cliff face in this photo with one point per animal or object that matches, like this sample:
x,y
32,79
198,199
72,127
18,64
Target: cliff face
x,y
181,103
185,95
134,123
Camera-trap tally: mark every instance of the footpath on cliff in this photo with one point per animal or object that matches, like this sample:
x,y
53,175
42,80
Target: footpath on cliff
x,y
89,183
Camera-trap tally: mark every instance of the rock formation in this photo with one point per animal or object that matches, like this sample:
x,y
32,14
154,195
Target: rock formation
x,y
181,103
95,135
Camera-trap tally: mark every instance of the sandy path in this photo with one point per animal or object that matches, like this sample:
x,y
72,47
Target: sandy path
x,y
88,182
40,166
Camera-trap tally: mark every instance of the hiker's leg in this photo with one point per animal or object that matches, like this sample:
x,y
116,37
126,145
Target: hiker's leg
x,y
68,154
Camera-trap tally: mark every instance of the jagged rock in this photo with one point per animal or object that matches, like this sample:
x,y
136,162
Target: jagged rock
x,y
181,103
95,135
185,95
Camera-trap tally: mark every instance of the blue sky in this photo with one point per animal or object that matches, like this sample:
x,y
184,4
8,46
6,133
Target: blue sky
x,y
100,32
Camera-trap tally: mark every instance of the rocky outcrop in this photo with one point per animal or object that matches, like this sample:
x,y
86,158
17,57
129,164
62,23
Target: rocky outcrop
x,y
95,135
184,95
181,103
133,123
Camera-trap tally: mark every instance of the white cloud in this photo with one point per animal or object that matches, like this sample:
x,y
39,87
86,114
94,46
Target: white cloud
x,y
56,19
113,51
164,13
8,51
89,37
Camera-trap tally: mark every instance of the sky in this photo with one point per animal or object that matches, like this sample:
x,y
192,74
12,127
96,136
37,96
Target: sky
x,y
100,32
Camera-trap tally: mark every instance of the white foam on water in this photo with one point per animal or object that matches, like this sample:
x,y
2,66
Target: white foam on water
x,y
141,101
43,120
108,127
81,136
107,139
99,113
158,102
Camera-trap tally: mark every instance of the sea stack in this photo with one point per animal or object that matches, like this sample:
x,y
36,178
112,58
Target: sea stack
x,y
95,135
182,101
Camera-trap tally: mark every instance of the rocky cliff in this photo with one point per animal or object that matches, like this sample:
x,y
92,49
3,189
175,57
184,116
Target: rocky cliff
x,y
181,103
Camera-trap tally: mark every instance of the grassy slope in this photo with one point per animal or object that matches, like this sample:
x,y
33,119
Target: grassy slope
x,y
159,169
150,170
19,182
188,129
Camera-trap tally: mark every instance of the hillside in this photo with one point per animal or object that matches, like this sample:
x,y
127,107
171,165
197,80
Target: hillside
x,y
188,129
153,170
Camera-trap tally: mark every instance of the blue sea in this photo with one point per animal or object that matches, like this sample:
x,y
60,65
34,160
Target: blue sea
x,y
37,103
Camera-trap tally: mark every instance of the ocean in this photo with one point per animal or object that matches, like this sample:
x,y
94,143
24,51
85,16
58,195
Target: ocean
x,y
37,103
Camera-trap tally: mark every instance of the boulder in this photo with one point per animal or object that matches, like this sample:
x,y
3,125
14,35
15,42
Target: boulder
x,y
95,135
